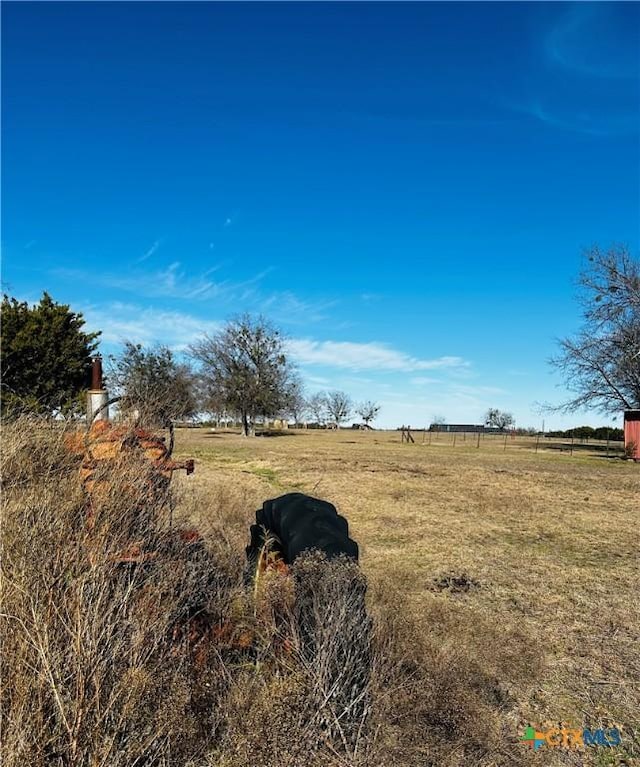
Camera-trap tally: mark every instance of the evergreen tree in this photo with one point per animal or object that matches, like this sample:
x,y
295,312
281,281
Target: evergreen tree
x,y
45,357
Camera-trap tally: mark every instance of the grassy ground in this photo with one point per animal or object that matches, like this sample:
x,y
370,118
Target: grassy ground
x,y
524,562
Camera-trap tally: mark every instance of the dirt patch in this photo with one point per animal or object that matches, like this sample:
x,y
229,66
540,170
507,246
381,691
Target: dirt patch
x,y
456,584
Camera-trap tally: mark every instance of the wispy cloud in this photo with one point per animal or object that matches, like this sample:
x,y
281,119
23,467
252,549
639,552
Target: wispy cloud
x,y
149,252
589,123
176,282
473,391
366,356
596,40
589,61
318,380
171,282
286,306
423,380
120,321
127,322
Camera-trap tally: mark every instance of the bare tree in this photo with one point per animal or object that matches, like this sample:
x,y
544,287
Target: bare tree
x,y
210,401
317,405
296,404
368,411
246,368
438,423
338,406
498,419
153,383
601,363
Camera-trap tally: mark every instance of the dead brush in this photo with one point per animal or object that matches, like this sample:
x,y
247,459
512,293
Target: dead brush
x,y
97,667
332,636
306,700
90,674
100,668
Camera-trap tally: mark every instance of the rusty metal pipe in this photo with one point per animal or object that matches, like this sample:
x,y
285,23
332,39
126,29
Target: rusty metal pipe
x,y
96,373
97,396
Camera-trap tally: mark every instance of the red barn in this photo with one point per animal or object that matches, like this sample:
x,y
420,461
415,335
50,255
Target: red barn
x,y
632,434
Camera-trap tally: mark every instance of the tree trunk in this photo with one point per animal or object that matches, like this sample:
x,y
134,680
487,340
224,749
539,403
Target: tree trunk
x,y
245,424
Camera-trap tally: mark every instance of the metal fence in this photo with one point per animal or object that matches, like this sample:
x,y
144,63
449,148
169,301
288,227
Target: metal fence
x,y
512,440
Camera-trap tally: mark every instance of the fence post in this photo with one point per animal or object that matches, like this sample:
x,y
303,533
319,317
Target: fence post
x,y
504,449
478,444
537,442
607,443
454,439
571,453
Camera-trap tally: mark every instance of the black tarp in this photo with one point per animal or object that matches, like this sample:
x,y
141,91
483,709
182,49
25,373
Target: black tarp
x,y
300,523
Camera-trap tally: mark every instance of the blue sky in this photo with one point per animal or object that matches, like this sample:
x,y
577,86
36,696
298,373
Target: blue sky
x,y
405,189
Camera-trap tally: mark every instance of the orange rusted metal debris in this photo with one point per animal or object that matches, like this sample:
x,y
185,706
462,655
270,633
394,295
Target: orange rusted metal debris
x,y
105,447
105,443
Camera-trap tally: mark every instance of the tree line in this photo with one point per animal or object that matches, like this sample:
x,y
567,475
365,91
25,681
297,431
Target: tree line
x,y
242,373
602,433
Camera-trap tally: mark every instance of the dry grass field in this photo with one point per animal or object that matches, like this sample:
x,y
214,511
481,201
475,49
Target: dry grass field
x,y
502,591
518,570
